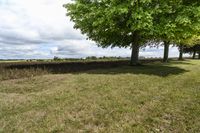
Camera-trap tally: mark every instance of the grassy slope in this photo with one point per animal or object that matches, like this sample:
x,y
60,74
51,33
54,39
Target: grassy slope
x,y
155,97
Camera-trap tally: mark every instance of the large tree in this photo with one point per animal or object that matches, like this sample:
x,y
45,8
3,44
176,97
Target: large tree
x,y
122,23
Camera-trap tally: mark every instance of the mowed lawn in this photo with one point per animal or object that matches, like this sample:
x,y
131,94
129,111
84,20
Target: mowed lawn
x,y
154,97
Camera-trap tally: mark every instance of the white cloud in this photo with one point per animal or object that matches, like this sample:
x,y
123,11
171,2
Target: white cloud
x,y
36,20
40,29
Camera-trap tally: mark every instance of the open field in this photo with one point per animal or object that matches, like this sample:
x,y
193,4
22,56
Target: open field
x,y
100,97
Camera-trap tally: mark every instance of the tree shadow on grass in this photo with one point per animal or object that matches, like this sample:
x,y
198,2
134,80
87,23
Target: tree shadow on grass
x,y
101,67
156,70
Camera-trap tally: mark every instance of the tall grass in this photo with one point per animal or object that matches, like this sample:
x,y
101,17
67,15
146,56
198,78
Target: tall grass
x,y
6,74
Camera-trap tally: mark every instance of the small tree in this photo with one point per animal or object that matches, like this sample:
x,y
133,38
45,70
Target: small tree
x,y
186,45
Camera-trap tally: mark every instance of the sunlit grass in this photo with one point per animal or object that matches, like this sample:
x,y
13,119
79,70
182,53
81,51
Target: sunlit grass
x,y
154,97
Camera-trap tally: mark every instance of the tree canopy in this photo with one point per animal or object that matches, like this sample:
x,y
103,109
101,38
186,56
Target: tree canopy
x,y
113,22
132,23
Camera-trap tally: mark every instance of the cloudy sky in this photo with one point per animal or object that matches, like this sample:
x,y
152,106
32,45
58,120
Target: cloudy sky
x,y
40,29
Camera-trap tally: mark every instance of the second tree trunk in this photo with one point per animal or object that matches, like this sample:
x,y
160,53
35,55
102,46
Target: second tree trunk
x,y
180,52
194,55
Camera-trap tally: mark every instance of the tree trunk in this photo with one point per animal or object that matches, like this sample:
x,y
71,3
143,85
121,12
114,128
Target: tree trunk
x,y
199,56
166,51
180,52
135,49
194,55
135,54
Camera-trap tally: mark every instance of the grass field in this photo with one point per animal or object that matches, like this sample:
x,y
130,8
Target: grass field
x,y
154,97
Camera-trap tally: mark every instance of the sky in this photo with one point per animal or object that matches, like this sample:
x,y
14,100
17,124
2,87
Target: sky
x,y
39,29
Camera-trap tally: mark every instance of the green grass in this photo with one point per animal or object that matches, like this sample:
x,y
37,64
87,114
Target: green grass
x,y
151,98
